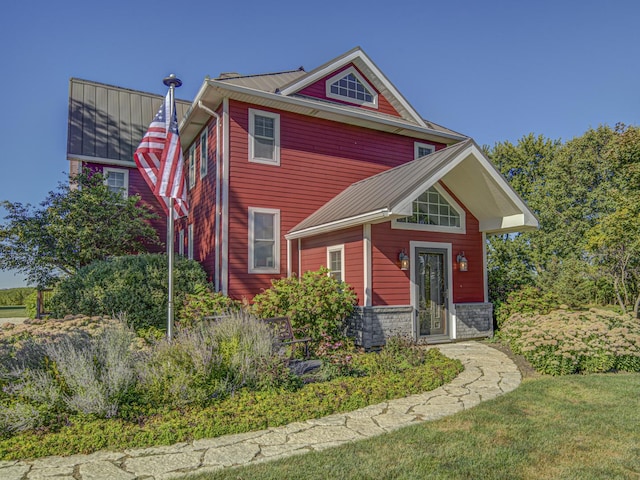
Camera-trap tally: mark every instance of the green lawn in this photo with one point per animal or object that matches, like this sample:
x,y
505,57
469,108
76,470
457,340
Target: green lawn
x,y
11,312
572,427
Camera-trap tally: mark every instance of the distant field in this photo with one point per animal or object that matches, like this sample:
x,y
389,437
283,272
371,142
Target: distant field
x,y
11,312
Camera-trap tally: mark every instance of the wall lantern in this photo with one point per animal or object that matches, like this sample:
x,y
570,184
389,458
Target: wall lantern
x,y
463,264
404,260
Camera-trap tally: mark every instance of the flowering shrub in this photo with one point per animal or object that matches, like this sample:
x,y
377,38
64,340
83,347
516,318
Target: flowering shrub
x,y
564,342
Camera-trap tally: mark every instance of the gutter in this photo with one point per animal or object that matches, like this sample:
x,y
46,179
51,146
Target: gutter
x,y
369,217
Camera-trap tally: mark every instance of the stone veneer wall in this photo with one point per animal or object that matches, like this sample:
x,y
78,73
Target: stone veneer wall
x,y
474,320
371,326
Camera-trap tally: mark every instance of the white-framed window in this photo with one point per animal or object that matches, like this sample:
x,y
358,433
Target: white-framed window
x,y
335,262
117,180
204,153
422,149
435,211
350,86
192,166
190,242
264,137
181,243
264,240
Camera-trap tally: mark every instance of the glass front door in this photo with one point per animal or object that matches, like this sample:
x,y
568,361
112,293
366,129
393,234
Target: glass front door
x,y
432,295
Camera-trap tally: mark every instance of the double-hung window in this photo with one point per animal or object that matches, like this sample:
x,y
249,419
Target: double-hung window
x,y
335,262
204,154
190,242
117,180
264,137
181,243
264,240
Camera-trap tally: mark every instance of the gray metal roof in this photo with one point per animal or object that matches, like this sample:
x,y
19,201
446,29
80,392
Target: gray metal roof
x,y
267,82
382,191
108,122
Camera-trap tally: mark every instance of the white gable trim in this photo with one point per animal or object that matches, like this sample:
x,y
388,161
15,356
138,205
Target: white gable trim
x,y
351,71
355,55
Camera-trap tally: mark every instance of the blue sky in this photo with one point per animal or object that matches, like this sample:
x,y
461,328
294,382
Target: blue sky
x,y
494,70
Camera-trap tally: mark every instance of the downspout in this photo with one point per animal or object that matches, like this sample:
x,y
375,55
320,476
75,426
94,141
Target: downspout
x,y
218,209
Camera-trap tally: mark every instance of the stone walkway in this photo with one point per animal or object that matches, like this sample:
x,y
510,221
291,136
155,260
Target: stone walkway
x,y
488,373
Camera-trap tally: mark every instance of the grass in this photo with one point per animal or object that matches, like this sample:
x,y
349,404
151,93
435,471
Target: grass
x,y
572,427
13,312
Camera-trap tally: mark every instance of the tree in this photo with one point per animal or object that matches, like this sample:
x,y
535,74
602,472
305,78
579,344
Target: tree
x,y
81,222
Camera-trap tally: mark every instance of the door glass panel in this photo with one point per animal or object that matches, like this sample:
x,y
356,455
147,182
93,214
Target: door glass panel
x,y
431,283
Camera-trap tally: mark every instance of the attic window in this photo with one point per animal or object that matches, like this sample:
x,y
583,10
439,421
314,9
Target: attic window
x,y
351,87
434,210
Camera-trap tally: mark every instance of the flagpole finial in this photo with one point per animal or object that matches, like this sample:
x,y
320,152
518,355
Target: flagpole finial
x,y
172,81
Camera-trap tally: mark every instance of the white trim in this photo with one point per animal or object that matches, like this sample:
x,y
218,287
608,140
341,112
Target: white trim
x,y
348,58
276,134
125,188
462,229
351,71
484,267
333,249
190,241
224,281
412,284
369,217
289,261
276,239
418,145
101,160
367,265
204,152
192,166
181,242
299,257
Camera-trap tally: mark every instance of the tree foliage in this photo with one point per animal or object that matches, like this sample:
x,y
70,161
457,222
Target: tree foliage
x,y
77,224
585,193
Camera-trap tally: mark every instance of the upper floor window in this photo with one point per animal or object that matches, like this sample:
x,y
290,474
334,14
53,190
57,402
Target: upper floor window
x,y
335,262
351,87
117,180
422,149
434,210
264,240
204,154
264,137
192,166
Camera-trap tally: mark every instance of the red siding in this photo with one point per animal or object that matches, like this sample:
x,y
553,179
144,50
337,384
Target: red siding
x,y
319,90
138,186
318,159
314,255
391,286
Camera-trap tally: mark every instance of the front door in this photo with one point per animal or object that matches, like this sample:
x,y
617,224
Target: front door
x,y
432,295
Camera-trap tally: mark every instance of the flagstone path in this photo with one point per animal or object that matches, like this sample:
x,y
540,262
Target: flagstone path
x,y
488,373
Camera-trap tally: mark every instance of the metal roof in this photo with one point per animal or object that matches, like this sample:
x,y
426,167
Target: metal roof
x,y
382,191
267,82
108,122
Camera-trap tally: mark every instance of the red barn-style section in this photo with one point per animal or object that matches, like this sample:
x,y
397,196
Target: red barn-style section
x,y
291,171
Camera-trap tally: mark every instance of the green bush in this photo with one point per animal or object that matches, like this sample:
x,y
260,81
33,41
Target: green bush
x,y
205,303
135,285
316,303
527,300
564,342
14,296
31,304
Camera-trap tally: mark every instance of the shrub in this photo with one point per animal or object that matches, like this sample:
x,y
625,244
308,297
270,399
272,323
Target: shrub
x,y
316,303
527,300
205,303
135,285
563,342
30,303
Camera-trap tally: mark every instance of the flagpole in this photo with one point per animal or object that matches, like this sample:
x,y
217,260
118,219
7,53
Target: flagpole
x,y
172,82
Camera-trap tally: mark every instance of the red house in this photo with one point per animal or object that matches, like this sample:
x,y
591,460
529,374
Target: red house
x,y
295,170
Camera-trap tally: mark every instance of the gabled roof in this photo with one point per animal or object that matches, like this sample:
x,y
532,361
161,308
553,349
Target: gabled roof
x,y
372,73
280,91
107,123
462,167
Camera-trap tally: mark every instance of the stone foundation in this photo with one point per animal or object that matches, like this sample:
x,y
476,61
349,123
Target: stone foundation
x,y
474,320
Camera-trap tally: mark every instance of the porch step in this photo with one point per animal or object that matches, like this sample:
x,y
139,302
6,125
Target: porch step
x,y
436,339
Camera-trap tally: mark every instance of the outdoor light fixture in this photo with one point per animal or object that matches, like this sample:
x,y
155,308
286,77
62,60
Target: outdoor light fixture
x,y
404,260
463,264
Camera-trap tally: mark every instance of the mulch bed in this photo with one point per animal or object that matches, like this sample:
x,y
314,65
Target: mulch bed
x,y
526,370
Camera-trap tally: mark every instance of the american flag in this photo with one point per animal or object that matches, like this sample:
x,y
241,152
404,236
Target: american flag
x,y
159,160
